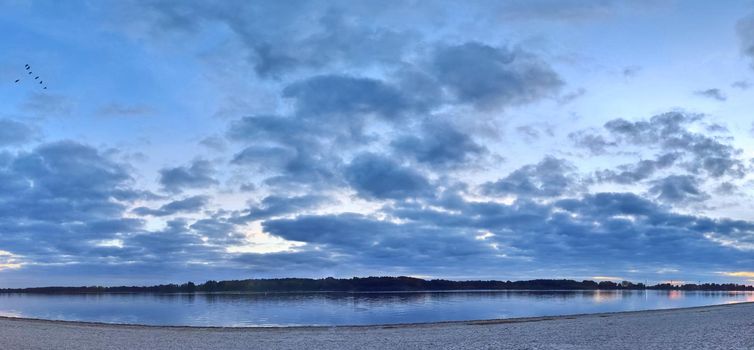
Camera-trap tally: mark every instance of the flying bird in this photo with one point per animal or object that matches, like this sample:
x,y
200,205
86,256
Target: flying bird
x,y
29,72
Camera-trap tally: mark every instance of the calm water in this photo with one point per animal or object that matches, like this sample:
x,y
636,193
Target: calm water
x,y
344,308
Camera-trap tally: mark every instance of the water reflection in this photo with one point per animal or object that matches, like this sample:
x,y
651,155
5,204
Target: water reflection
x,y
268,309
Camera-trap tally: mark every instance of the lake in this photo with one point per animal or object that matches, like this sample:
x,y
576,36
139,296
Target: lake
x,y
290,309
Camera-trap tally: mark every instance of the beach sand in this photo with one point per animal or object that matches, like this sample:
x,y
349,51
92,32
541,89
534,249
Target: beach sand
x,y
713,327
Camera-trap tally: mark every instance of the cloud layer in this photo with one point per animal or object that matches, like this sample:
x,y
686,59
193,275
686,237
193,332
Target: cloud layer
x,y
308,138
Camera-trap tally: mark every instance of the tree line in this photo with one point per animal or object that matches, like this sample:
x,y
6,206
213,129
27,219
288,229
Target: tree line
x,y
375,284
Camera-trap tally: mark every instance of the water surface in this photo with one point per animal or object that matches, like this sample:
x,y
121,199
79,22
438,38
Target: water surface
x,y
289,309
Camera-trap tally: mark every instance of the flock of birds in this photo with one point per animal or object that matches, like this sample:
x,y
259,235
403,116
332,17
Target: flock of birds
x,y
29,72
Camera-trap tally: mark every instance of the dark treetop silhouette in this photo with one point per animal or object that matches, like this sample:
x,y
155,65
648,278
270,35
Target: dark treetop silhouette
x,y
376,284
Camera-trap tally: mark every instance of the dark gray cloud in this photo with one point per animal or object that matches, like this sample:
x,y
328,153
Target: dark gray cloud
x,y
678,189
200,174
745,30
438,145
77,206
272,128
265,156
276,206
122,110
340,95
292,150
534,132
551,177
307,35
187,205
741,84
595,143
669,133
631,71
48,105
485,76
573,233
367,241
714,127
726,188
219,232
376,176
59,196
568,10
642,170
317,263
715,94
214,143
15,133
571,96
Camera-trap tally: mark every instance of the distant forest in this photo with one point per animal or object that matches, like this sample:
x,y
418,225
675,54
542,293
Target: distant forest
x,y
374,284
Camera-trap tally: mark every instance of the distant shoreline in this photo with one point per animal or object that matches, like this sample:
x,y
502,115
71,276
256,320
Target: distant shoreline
x,y
376,284
369,292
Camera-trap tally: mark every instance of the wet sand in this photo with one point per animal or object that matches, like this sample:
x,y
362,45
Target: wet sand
x,y
712,327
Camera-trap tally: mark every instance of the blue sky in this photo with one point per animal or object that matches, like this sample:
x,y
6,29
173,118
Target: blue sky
x,y
186,140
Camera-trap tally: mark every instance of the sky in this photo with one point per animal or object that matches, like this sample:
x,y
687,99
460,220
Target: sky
x,y
196,140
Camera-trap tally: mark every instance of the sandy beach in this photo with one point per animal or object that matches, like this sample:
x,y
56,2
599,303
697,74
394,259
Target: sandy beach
x,y
712,327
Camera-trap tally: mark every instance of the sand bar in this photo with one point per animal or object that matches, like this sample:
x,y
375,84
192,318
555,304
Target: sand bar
x,y
712,327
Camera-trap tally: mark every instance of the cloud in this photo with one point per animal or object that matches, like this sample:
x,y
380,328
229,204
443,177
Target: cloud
x,y
571,234
200,174
188,205
58,196
533,131
214,143
631,71
120,110
571,96
741,84
339,95
306,36
294,150
367,241
48,105
595,143
486,77
265,156
669,133
272,206
745,30
14,133
568,10
269,128
400,114
551,177
281,263
642,170
438,145
678,189
375,176
715,94
78,197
